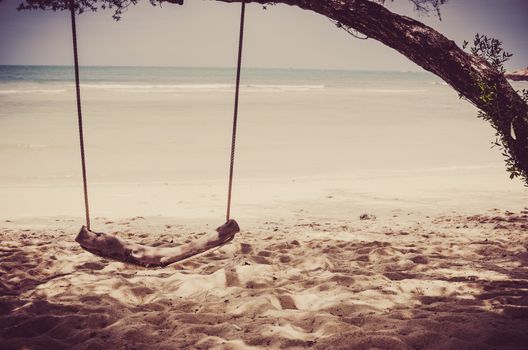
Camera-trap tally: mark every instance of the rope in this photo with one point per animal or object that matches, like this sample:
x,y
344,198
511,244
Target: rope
x,y
79,113
235,113
80,121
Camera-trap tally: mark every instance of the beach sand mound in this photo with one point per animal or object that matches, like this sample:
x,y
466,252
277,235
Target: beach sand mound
x,y
396,282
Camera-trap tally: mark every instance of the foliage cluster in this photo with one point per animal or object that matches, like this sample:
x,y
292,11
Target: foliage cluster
x,y
120,6
491,110
424,6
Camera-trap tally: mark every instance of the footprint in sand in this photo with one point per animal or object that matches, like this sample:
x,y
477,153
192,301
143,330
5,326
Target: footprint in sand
x,y
91,266
141,292
287,302
232,279
398,276
420,259
265,253
285,259
343,280
261,260
246,248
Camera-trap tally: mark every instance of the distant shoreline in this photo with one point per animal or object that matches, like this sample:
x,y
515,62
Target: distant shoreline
x,y
518,75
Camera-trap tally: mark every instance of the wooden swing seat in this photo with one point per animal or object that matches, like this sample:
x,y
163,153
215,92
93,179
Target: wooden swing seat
x,y
110,246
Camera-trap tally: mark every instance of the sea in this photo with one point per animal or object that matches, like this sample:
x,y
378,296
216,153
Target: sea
x,y
172,125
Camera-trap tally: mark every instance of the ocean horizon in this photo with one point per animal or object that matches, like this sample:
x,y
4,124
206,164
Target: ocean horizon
x,y
164,75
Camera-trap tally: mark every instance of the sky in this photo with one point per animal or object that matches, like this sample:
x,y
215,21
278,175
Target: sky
x,y
204,33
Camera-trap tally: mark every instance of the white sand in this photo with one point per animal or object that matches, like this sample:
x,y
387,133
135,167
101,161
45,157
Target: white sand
x,y
305,273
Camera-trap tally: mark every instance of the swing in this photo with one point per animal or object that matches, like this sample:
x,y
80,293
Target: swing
x,y
109,246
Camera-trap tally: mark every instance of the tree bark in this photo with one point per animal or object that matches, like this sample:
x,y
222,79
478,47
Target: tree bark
x,y
115,248
435,53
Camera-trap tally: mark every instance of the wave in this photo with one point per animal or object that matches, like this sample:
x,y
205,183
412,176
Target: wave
x,y
442,83
32,91
169,88
450,168
387,91
23,146
283,88
145,88
212,87
158,87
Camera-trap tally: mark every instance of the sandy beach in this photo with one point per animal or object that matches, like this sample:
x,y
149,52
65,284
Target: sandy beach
x,y
363,225
334,270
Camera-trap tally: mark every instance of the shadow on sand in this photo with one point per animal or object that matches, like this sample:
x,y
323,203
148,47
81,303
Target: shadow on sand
x,y
389,305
